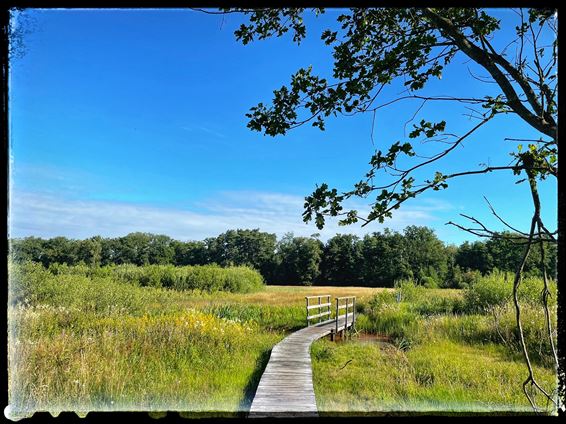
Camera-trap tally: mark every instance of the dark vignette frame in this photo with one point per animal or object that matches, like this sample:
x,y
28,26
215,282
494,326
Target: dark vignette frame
x,y
143,417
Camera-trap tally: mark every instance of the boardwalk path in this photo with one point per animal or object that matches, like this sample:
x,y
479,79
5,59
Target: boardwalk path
x,y
286,387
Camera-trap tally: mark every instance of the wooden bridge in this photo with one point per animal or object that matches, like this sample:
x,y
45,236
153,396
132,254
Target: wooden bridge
x,y
286,387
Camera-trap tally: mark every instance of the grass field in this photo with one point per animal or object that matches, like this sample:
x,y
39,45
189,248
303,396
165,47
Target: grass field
x,y
443,354
91,343
440,376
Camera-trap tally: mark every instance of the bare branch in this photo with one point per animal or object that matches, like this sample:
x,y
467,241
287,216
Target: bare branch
x,y
502,220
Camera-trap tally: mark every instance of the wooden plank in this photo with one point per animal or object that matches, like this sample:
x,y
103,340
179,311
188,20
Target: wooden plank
x,y
328,321
318,315
316,297
318,306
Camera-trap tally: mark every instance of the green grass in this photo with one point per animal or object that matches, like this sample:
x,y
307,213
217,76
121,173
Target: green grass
x,y
440,376
85,339
447,352
188,361
92,341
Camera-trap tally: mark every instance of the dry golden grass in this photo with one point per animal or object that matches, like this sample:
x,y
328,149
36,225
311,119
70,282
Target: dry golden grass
x,y
284,296
295,295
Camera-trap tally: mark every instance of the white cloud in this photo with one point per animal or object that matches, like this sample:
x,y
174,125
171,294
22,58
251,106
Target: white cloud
x,y
46,215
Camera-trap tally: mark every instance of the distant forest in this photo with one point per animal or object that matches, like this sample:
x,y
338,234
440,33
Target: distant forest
x,y
378,259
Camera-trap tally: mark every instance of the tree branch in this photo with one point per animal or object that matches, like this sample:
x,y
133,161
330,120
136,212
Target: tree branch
x,y
485,59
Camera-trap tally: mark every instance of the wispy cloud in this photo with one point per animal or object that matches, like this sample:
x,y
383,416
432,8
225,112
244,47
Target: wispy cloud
x,y
202,128
47,215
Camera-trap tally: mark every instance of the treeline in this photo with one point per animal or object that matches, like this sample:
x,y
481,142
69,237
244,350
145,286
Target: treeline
x,y
377,259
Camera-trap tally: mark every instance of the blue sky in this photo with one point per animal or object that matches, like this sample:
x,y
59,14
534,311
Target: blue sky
x,y
134,120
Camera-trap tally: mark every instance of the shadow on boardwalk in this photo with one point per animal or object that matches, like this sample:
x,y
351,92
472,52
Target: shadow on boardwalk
x,y
251,387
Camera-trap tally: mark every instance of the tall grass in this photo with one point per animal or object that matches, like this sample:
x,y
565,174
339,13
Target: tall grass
x,y
484,314
496,289
62,359
122,338
85,338
442,376
448,352
269,317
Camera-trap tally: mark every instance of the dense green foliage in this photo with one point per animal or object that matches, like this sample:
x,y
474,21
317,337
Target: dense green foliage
x,y
32,282
298,260
377,260
484,314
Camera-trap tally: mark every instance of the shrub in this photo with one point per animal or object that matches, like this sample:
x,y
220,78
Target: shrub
x,y
429,282
496,289
24,278
387,316
469,278
382,298
487,292
408,291
127,273
120,287
237,279
214,278
80,269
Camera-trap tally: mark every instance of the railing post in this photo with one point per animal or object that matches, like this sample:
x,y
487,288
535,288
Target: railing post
x,y
337,311
308,320
319,307
329,306
346,318
354,314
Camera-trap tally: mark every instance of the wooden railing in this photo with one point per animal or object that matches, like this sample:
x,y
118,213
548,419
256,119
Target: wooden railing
x,y
320,306
315,303
347,303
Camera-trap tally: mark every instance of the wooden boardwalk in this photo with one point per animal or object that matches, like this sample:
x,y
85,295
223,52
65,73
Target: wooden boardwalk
x,y
286,387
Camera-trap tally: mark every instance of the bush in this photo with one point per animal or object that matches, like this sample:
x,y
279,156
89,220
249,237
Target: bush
x,y
128,273
408,291
123,286
385,315
469,278
214,278
489,291
379,300
24,278
237,279
496,289
429,282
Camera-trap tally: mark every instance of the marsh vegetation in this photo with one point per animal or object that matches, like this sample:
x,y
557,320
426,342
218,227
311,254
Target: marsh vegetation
x,y
84,338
